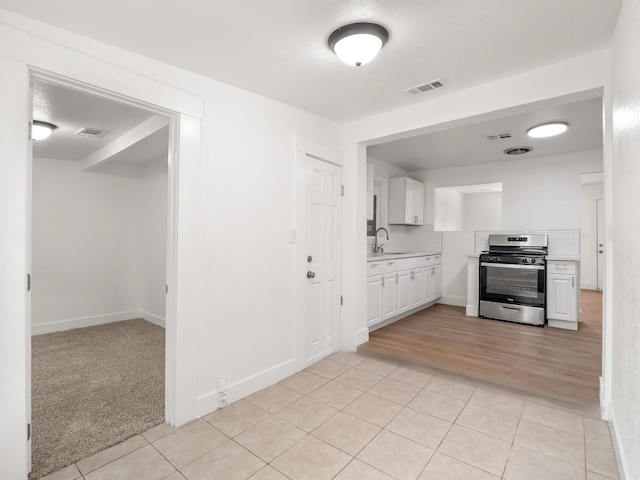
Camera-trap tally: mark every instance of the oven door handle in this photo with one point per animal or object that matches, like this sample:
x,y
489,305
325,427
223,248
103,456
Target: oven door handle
x,y
510,308
509,265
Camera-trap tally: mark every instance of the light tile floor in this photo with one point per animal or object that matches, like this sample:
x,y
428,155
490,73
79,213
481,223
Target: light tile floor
x,y
350,417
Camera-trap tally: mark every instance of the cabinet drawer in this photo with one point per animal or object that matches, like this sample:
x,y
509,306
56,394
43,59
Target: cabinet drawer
x,y
566,268
410,263
436,259
390,266
374,268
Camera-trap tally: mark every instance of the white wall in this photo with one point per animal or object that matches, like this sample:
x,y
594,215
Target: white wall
x,y
99,243
625,238
483,211
446,206
589,236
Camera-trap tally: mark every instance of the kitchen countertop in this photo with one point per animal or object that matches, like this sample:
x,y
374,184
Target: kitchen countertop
x,y
371,257
563,258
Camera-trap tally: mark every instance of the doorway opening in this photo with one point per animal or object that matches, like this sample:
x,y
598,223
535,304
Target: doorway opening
x,y
100,210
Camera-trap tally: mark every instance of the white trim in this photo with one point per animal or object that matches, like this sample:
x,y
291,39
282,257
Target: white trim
x,y
362,336
605,406
317,150
453,300
619,454
208,402
15,345
472,311
61,325
151,318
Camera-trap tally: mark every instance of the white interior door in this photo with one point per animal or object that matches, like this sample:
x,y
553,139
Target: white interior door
x,y
601,243
323,214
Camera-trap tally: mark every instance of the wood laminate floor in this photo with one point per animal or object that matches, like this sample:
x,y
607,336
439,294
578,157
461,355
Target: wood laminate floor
x,y
558,364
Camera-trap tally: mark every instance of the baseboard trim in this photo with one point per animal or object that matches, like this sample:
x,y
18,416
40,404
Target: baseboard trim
x,y
62,325
620,460
455,301
209,402
156,320
362,336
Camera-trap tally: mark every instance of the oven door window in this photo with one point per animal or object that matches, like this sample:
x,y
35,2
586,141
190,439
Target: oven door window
x,y
510,284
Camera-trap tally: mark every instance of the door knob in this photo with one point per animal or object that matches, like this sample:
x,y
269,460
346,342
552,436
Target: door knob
x,y
311,274
600,251
309,259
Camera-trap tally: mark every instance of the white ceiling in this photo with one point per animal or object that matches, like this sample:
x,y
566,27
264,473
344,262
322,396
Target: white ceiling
x,y
467,145
70,110
279,49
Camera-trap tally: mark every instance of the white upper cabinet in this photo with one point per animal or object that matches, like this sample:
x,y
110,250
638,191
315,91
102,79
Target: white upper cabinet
x,y
370,174
406,201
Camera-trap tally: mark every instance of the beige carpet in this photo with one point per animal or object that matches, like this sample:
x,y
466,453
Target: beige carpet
x,y
92,388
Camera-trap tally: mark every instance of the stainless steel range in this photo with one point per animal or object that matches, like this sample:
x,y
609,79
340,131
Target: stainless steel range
x,y
512,279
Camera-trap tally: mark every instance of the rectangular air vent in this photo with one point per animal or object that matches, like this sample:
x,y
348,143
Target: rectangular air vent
x,y
425,87
498,136
91,132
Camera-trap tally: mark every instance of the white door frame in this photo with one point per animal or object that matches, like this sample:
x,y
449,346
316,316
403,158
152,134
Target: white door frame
x,y
304,147
186,109
175,125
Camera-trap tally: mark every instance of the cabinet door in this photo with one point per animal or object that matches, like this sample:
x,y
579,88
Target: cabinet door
x,y
436,282
415,202
374,300
389,303
427,284
417,293
562,297
404,291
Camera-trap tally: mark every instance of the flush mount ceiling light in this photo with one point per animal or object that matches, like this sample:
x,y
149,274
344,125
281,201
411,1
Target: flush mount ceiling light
x,y
358,43
548,129
41,130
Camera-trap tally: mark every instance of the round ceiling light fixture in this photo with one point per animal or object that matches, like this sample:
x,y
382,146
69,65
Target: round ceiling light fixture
x,y
548,129
358,43
41,130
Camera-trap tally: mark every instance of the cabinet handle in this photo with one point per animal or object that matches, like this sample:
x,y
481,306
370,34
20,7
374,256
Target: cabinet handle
x,y
383,281
415,219
413,275
396,278
573,280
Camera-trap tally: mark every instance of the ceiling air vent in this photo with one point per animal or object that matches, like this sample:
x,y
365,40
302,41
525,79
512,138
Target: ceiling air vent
x,y
498,136
425,87
517,150
91,132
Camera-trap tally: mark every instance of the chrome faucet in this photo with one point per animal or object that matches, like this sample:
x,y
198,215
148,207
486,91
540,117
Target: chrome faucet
x,y
378,248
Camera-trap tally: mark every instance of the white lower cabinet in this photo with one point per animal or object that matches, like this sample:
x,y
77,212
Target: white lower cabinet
x,y
398,286
417,289
562,294
389,296
374,300
436,282
403,291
